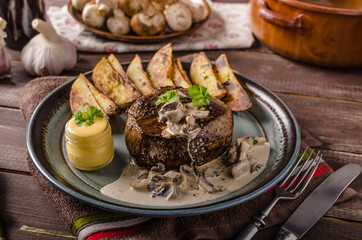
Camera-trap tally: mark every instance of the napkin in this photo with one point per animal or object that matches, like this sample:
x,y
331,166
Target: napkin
x,y
91,223
228,27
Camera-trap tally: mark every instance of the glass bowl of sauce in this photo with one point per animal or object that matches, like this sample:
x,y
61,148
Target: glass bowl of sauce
x,y
89,147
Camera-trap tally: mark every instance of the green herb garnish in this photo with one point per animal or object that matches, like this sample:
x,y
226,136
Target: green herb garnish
x,y
257,167
170,96
87,116
197,172
199,96
255,141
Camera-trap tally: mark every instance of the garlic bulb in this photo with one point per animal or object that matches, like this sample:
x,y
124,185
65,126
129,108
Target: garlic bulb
x,y
47,53
5,64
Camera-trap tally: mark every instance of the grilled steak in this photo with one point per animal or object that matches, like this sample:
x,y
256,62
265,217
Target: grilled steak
x,y
148,145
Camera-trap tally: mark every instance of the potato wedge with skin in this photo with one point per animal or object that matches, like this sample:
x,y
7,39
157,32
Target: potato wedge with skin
x,y
139,77
110,82
236,97
183,72
159,69
178,77
202,74
107,105
81,96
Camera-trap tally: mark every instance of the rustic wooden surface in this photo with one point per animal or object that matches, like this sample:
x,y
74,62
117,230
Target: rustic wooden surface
x,y
326,102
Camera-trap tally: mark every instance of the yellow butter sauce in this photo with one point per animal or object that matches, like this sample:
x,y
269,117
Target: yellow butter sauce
x,y
89,147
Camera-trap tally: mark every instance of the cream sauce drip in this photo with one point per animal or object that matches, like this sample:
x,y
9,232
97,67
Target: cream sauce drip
x,y
253,161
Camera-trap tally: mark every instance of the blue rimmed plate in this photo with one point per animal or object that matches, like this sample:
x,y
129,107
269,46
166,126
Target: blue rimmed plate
x,y
269,117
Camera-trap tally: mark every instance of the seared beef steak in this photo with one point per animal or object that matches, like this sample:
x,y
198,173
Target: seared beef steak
x,y
148,147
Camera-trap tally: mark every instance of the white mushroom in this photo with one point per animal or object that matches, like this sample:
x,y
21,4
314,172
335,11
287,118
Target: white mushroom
x,y
211,173
91,16
105,7
198,9
130,7
188,172
149,21
209,187
240,168
141,183
178,17
167,189
79,4
159,168
118,23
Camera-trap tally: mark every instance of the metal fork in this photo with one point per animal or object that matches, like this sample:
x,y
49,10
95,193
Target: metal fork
x,y
289,192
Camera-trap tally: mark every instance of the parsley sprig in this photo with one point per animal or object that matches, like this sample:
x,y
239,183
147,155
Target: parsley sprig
x,y
169,96
199,95
87,116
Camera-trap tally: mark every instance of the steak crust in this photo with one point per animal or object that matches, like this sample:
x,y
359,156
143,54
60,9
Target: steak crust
x,y
148,147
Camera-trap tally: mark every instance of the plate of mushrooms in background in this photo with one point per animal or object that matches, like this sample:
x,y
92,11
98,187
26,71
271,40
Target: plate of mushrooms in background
x,y
140,21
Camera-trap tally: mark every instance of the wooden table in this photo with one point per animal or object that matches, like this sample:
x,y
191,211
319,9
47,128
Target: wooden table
x,y
326,102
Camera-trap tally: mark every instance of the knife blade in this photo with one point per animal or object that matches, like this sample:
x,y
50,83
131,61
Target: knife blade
x,y
318,202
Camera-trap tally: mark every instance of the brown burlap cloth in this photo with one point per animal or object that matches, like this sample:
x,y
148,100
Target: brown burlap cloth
x,y
218,225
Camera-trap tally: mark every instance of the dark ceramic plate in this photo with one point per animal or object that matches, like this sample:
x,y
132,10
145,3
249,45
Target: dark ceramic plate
x,y
269,117
132,37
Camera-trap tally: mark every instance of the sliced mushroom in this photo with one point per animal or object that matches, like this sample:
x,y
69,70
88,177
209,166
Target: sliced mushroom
x,y
240,168
172,112
243,151
200,114
188,172
190,120
142,174
156,181
231,156
179,179
141,183
209,187
211,173
168,190
171,174
159,168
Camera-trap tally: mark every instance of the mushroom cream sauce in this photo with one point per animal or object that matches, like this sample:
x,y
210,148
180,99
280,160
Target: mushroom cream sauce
x,y
245,159
252,155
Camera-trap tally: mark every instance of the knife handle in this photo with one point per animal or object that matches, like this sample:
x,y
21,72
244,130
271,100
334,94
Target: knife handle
x,y
285,235
250,230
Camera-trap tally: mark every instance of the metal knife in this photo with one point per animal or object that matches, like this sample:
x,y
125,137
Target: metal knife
x,y
318,202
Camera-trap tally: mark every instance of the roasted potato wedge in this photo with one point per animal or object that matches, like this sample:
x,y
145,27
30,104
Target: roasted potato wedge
x,y
202,74
178,77
139,77
81,96
107,105
236,97
183,72
110,82
159,69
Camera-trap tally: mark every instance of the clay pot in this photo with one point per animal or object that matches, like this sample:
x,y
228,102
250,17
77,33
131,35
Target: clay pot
x,y
310,33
